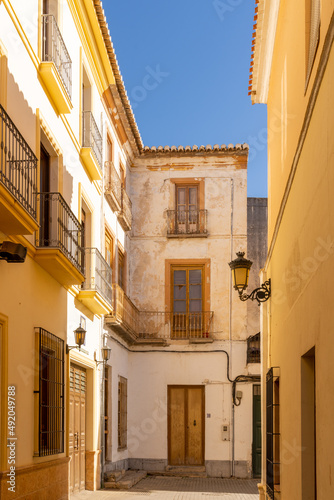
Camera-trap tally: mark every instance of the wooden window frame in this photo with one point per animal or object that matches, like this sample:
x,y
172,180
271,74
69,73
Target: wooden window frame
x,y
109,138
190,181
172,263
109,234
122,413
121,253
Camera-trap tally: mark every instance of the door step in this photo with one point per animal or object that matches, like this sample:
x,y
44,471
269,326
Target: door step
x,y
181,471
124,480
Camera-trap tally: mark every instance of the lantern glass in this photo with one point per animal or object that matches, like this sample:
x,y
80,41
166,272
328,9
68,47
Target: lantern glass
x,y
106,351
80,335
240,278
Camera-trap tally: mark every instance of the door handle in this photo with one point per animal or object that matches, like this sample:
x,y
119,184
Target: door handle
x,y
194,422
76,440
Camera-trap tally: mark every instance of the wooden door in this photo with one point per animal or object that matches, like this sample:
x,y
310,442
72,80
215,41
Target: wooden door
x,y
186,425
77,428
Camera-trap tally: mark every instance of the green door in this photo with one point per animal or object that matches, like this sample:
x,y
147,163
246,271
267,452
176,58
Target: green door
x,y
256,451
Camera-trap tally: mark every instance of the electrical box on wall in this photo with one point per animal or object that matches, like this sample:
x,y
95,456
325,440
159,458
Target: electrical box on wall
x,y
226,432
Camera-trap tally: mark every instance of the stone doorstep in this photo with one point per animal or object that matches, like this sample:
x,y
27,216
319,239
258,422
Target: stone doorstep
x,y
129,479
112,477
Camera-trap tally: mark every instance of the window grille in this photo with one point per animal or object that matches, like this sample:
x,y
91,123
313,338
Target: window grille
x,y
273,434
51,394
253,349
122,412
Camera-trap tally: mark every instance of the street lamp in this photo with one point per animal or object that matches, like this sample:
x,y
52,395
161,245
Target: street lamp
x,y
106,351
240,273
80,335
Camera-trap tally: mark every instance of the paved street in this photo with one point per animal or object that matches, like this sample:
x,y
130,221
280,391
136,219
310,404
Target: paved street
x,y
177,488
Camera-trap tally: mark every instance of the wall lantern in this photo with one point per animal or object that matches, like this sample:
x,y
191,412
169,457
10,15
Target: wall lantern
x,y
80,335
106,351
240,273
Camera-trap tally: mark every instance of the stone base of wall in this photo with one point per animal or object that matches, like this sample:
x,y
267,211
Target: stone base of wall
x,y
214,468
119,465
262,491
223,468
93,470
45,480
148,464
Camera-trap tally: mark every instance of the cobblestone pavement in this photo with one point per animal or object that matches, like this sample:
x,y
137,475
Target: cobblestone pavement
x,y
178,488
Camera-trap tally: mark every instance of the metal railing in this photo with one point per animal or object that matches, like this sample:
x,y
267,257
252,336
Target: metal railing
x,y
125,311
112,185
54,49
98,274
183,222
18,165
161,324
126,211
59,228
91,137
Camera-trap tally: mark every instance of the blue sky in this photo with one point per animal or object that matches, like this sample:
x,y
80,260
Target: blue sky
x,y
185,65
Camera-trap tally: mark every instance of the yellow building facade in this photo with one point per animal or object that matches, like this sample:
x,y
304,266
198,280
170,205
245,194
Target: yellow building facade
x,y
292,72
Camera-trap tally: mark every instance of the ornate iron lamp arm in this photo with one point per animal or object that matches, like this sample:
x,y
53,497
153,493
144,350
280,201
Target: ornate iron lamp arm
x,y
260,294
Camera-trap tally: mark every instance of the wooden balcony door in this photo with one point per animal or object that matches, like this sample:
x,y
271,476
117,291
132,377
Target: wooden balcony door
x,y
187,301
187,209
186,425
77,428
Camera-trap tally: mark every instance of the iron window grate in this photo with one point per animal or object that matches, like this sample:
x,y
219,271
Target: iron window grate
x,y
253,349
51,393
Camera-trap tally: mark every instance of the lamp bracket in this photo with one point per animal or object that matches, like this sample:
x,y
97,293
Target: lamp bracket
x,y
260,294
70,347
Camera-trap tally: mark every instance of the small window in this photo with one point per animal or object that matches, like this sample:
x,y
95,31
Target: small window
x,y
122,175
109,249
121,269
253,349
109,149
122,412
51,394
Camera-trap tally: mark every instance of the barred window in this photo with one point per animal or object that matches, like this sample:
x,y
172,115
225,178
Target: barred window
x,y
51,393
122,412
253,349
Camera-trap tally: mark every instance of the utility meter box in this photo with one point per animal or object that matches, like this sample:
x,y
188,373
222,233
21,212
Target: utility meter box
x,y
226,432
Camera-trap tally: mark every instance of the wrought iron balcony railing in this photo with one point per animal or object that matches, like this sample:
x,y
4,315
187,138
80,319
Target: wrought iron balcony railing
x,y
112,186
59,228
125,216
91,135
186,222
18,165
98,274
153,325
54,49
182,326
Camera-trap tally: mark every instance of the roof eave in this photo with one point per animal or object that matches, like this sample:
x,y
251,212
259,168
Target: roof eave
x,y
264,48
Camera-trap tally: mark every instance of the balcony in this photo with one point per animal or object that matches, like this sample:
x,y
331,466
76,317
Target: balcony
x,y
112,187
125,318
194,326
91,151
157,326
58,240
187,223
125,215
18,171
96,290
56,66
